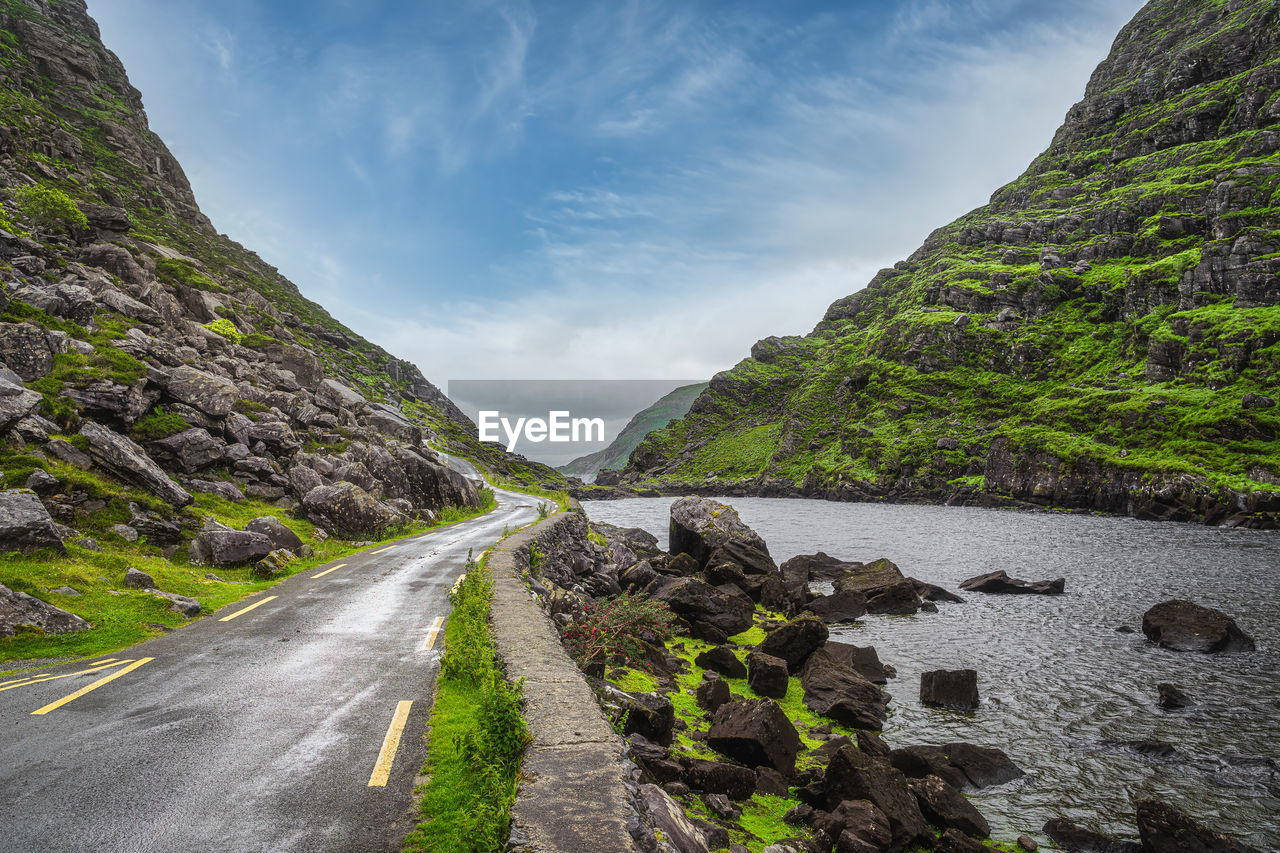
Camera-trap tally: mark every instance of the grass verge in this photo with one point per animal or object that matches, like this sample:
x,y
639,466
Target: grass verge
x,y
477,734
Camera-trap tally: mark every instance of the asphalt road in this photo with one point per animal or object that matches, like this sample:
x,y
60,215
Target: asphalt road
x,y
258,733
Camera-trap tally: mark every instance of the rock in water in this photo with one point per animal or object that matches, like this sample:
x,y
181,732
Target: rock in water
x,y
999,583
1164,829
956,689
17,609
25,525
757,733
1172,697
836,691
1188,627
1078,839
701,528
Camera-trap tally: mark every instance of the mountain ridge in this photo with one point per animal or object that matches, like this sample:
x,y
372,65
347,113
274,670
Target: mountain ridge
x,y
1101,335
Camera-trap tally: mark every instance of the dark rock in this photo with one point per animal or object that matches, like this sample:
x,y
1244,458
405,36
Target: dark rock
x,y
838,692
695,601
944,806
1077,839
1188,627
795,641
722,660
1164,829
933,592
273,564
844,606
711,693
350,512
228,547
801,815
999,583
25,524
861,659
755,732
272,528
700,526
719,777
676,789
650,715
681,566
637,576
858,827
1257,401
766,674
771,782
1172,697
950,688
17,609
65,451
42,482
138,579
1027,843
722,807
961,765
666,816
955,841
898,599
126,460
851,775
872,744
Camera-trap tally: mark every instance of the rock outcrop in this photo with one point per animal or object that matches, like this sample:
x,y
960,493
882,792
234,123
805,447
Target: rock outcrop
x,y
1189,627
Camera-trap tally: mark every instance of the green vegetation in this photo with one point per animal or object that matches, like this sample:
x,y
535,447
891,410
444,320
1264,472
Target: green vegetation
x,y
609,631
477,734
49,208
226,328
157,425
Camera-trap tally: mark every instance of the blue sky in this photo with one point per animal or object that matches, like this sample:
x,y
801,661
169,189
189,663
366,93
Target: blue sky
x,y
608,190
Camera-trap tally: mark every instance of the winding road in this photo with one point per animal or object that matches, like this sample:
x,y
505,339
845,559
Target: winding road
x,y
289,721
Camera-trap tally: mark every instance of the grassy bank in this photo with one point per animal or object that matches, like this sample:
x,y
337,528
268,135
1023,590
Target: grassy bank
x,y
477,734
122,617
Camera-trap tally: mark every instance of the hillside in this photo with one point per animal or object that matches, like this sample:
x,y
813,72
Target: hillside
x,y
656,416
1103,334
158,379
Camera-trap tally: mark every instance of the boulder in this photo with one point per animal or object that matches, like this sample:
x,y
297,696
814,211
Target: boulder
x,y
25,524
334,396
898,598
305,366
1077,839
273,564
956,689
350,512
955,841
961,765
188,607
650,715
1188,627
24,349
711,693
42,482
16,402
999,583
836,691
851,775
698,603
722,660
190,450
858,827
767,675
719,777
757,733
795,640
842,606
138,579
126,460
275,530
17,609
211,394
944,806
681,832
861,659
228,547
1164,829
933,592
701,527
882,583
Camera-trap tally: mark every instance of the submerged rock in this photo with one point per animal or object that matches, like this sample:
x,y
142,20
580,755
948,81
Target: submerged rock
x,y
999,583
1164,829
1172,697
1078,839
956,689
1188,627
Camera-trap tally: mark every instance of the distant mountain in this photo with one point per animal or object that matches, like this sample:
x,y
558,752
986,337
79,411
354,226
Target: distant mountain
x,y
664,411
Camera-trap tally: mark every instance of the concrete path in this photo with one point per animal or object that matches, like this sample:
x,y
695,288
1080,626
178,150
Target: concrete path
x,y
289,721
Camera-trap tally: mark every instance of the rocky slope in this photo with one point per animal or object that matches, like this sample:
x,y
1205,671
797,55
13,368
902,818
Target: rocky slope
x,y
662,412
149,364
1104,334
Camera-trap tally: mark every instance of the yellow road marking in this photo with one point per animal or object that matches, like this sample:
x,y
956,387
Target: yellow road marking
x,y
42,678
53,706
390,743
385,550
247,609
23,679
326,571
432,633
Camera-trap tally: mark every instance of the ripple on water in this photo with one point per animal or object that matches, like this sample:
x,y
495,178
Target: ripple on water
x,y
1064,693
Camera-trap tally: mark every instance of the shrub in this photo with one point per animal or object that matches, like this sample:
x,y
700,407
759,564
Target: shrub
x,y
614,631
258,341
226,328
49,208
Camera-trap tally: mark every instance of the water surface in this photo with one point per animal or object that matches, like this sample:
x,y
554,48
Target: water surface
x,y
1062,691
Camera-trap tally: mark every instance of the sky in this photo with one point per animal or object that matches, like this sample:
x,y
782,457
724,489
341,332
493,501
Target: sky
x,y
610,190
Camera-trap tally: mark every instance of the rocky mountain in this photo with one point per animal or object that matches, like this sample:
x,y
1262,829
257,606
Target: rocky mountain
x,y
141,350
1103,334
655,416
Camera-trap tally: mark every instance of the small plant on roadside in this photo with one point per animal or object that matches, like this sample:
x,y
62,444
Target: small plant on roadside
x,y
544,509
614,631
49,208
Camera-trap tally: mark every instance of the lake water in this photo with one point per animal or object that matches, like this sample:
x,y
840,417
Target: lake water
x,y
1061,689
